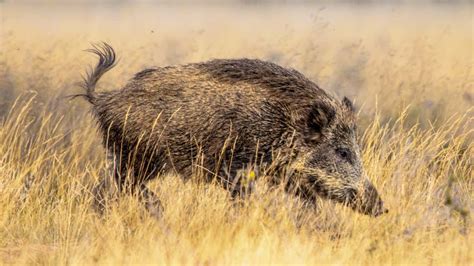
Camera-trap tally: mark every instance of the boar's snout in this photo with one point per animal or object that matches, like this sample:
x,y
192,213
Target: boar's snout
x,y
368,201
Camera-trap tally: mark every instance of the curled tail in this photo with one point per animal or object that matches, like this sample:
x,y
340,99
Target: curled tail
x,y
107,57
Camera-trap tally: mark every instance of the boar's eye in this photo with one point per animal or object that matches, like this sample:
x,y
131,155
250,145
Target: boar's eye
x,y
344,153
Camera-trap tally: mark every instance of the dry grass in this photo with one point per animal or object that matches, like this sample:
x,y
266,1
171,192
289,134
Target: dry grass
x,y
420,158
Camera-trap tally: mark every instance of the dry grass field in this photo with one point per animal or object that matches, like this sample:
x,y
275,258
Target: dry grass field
x,y
409,69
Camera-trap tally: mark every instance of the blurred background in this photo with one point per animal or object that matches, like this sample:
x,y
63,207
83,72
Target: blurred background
x,y
386,55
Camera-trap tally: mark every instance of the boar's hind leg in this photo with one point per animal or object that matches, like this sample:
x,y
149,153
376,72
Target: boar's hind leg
x,y
106,189
100,195
152,203
133,179
121,180
143,172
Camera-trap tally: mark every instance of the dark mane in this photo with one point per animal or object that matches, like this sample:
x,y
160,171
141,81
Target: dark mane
x,y
144,73
257,72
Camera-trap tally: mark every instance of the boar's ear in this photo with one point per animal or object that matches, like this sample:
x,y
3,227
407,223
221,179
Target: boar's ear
x,y
348,104
320,116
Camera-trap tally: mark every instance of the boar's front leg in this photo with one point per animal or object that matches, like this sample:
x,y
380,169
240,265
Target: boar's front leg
x,y
239,181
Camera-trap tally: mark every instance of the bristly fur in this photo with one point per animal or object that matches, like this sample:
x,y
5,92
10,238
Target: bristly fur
x,y
224,116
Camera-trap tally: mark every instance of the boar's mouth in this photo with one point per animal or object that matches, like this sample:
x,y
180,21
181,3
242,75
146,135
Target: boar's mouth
x,y
365,200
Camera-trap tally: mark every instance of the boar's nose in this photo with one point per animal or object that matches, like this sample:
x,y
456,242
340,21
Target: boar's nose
x,y
370,202
378,211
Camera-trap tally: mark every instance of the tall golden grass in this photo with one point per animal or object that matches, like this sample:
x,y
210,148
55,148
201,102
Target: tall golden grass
x,y
425,177
413,88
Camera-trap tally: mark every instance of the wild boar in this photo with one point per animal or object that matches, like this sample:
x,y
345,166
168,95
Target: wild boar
x,y
223,116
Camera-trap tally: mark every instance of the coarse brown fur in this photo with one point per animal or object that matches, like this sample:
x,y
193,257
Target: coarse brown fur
x,y
220,117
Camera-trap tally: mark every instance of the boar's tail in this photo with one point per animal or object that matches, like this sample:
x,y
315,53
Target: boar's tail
x,y
107,57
